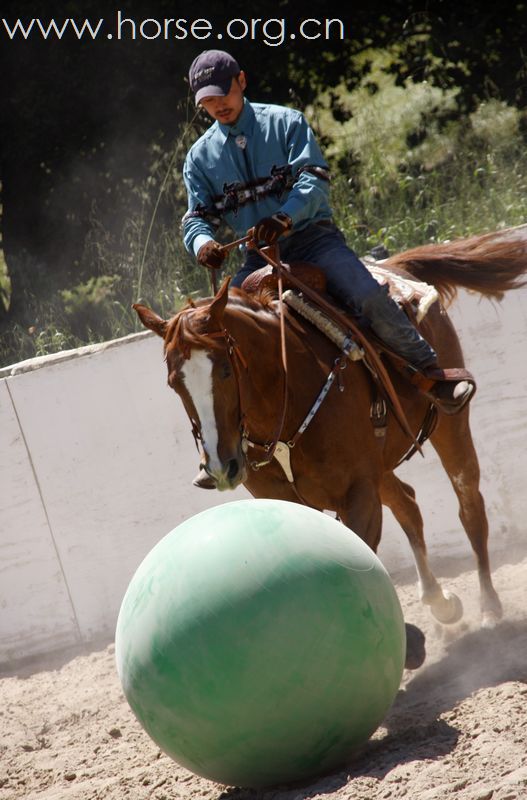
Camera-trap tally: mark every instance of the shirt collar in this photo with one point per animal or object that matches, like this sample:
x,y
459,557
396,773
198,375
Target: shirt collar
x,y
244,124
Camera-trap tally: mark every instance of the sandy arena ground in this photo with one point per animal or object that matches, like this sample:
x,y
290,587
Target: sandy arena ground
x,y
458,728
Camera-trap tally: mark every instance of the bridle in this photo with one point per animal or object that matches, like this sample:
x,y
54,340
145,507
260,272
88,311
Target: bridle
x,y
239,366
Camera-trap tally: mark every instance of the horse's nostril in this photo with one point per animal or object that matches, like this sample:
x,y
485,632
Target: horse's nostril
x,y
233,468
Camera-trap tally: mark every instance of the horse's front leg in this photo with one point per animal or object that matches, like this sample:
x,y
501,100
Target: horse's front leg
x,y
362,513
400,499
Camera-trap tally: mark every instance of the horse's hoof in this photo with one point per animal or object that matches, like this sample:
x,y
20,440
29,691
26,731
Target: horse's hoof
x,y
415,646
491,610
448,610
203,480
489,620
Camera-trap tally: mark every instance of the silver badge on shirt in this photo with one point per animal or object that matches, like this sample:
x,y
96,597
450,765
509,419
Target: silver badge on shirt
x,y
241,141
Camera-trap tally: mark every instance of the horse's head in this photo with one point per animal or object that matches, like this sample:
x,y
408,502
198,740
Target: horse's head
x,y
202,363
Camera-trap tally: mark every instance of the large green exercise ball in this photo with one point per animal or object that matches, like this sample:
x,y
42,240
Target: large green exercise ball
x,y
260,642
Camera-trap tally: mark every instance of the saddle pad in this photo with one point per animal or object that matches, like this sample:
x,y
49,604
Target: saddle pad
x,y
405,290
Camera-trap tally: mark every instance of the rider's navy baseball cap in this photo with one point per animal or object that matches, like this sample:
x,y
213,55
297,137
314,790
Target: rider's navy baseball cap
x,y
211,74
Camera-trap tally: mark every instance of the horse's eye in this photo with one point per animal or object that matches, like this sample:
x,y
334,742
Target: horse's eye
x,y
225,370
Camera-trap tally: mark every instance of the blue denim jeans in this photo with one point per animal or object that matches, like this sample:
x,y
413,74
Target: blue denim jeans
x,y
350,282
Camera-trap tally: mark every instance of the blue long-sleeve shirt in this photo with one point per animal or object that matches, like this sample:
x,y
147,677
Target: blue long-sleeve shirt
x,y
265,139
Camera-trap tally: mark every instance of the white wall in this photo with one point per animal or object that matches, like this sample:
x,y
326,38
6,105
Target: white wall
x,y
494,338
96,460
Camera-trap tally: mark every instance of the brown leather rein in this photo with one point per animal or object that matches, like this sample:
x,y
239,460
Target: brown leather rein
x,y
236,357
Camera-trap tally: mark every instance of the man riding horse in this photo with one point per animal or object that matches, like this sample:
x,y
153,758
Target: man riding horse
x,y
260,169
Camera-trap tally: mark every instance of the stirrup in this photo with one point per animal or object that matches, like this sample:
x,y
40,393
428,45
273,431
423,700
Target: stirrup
x,y
449,389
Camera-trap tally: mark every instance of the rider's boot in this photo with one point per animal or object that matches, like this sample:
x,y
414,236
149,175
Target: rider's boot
x,y
450,390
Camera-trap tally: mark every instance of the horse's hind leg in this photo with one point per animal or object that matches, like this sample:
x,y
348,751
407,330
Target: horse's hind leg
x,y
400,499
453,443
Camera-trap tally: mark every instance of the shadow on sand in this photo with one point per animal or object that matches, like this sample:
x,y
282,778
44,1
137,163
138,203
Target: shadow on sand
x,y
477,660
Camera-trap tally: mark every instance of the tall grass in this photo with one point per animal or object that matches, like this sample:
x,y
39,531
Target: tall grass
x,y
405,170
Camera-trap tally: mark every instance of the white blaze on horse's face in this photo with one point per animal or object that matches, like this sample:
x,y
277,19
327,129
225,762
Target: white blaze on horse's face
x,y
197,375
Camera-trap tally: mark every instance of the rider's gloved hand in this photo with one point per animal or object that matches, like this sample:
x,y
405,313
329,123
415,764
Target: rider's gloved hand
x,y
211,255
269,229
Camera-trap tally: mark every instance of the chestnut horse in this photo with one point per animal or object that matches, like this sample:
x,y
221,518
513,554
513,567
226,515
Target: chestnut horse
x,y
224,361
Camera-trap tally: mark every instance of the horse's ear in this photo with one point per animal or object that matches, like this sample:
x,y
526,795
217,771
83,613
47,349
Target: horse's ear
x,y
217,307
151,319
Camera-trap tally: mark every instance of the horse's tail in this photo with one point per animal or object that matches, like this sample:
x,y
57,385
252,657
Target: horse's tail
x,y
490,264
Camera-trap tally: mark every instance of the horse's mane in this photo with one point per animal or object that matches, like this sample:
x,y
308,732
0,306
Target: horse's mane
x,y
189,327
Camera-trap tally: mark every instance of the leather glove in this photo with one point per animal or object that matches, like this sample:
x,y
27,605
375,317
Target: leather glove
x,y
211,255
269,229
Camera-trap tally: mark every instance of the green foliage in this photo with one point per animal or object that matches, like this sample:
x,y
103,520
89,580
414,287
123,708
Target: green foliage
x,y
48,333
90,306
5,283
383,121
407,172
